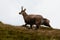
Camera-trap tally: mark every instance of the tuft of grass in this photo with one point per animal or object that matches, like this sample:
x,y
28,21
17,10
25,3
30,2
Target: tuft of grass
x,y
10,32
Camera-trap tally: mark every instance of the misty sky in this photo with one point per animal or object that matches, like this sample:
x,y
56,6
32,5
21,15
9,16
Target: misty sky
x,y
50,9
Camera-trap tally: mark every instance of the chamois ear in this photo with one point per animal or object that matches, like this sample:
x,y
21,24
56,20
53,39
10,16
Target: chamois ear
x,y
24,9
21,7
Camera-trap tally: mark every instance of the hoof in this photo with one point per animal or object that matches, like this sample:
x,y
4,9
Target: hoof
x,y
36,28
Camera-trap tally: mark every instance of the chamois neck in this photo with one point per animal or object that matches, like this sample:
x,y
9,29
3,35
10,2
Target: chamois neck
x,y
24,14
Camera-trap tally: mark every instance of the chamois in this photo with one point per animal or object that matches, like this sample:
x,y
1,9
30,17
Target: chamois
x,y
31,19
34,19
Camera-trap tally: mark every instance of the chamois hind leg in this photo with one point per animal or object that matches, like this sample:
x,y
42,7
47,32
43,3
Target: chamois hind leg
x,y
48,25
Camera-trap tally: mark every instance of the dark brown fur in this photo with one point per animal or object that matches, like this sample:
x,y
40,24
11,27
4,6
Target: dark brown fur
x,y
46,22
34,19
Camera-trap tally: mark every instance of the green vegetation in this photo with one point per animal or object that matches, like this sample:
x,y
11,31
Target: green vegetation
x,y
10,32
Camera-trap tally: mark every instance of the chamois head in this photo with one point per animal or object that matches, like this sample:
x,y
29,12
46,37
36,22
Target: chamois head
x,y
22,11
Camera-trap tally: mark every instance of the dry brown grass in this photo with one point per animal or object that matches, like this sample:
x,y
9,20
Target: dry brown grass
x,y
10,32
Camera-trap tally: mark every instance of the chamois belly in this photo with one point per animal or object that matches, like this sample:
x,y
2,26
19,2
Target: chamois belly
x,y
31,21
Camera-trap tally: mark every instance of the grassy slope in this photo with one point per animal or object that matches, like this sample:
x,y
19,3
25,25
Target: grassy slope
x,y
9,32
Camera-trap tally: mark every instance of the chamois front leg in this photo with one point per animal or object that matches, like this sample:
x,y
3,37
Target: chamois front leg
x,y
30,26
37,27
25,25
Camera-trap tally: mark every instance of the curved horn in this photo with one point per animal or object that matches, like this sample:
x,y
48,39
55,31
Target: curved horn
x,y
21,7
24,9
